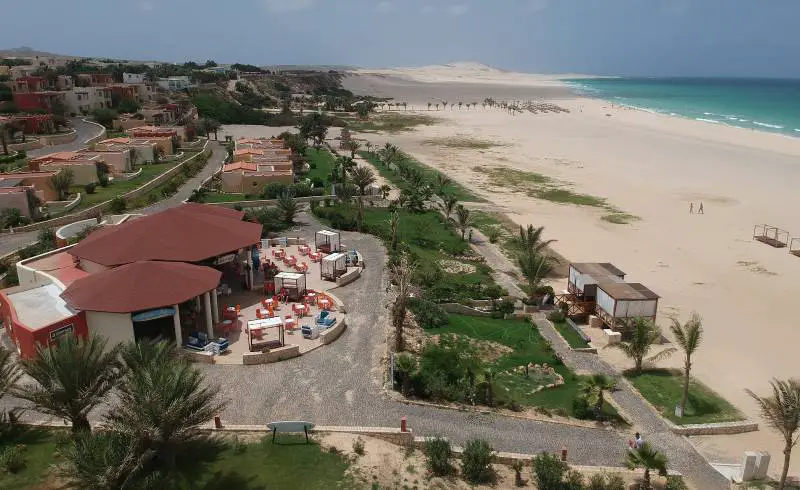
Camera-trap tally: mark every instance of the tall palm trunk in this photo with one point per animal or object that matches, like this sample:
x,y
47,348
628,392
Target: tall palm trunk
x,y
646,479
787,456
598,407
685,395
3,140
80,424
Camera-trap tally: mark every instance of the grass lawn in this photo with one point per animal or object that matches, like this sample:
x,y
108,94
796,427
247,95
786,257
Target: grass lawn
x,y
529,347
119,187
462,143
391,122
663,389
460,192
323,160
291,463
572,337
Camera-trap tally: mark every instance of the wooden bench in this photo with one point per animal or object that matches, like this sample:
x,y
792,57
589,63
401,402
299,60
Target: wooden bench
x,y
290,426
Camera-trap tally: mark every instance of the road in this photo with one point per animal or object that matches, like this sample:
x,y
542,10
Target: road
x,y
85,131
15,241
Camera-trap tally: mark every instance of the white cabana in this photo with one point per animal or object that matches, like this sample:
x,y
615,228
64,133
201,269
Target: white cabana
x,y
333,266
292,282
327,241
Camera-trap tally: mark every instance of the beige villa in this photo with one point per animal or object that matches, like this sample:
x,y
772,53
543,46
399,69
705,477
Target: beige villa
x,y
83,166
144,148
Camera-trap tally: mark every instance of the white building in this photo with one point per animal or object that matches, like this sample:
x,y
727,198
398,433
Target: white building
x,y
133,77
174,83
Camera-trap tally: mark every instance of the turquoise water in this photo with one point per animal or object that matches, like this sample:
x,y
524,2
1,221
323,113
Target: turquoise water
x,y
760,104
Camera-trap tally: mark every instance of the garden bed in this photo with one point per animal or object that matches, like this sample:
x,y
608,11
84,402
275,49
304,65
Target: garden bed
x,y
573,338
663,389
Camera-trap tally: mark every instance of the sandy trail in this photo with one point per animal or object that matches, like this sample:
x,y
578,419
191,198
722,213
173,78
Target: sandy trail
x,y
650,166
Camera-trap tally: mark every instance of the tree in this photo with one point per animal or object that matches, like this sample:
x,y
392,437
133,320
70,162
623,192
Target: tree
x,y
61,182
442,181
104,116
644,334
429,106
163,401
9,372
352,146
385,190
5,128
363,177
437,106
71,378
400,274
128,106
405,364
534,267
781,410
460,104
593,390
389,154
463,220
212,125
134,155
688,338
648,458
288,206
488,379
10,217
201,127
405,106
394,224
530,239
448,205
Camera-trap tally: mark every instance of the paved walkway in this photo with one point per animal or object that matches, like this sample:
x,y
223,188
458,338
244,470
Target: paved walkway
x,y
85,130
504,271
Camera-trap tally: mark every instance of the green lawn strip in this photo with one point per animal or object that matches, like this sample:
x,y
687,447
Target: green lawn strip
x,y
40,446
529,347
485,222
462,143
322,160
290,463
390,122
663,389
119,187
457,190
572,337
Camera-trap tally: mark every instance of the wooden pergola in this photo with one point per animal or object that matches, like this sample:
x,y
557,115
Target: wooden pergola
x,y
327,241
794,247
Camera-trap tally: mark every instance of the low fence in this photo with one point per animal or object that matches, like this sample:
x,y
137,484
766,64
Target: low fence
x,y
32,143
330,334
272,355
100,136
348,277
58,139
70,230
131,175
97,209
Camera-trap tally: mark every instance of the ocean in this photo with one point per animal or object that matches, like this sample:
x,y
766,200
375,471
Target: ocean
x,y
762,104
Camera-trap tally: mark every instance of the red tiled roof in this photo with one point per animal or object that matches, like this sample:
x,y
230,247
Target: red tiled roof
x,y
252,167
61,266
140,286
188,233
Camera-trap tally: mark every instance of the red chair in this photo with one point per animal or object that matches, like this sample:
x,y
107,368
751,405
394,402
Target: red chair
x,y
258,314
288,322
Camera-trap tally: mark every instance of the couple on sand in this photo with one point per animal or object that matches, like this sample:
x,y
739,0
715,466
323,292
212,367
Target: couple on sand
x,y
699,209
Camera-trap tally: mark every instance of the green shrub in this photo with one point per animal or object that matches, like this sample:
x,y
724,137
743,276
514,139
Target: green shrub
x,y
438,456
501,308
358,446
675,483
581,409
273,190
12,459
317,182
494,233
300,190
542,290
549,471
427,313
476,461
556,316
118,205
573,481
90,187
238,446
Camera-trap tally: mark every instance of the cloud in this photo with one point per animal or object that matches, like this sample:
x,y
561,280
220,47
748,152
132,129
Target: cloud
x,y
145,6
288,5
427,9
385,7
457,9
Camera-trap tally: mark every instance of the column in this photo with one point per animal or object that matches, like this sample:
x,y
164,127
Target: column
x,y
197,302
214,306
209,324
250,269
176,318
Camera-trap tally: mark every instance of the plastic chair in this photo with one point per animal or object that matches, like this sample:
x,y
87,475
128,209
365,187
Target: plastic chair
x,y
288,322
258,314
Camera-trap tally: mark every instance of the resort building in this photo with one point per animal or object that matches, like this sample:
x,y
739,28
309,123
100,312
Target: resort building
x,y
40,100
117,159
15,196
164,137
250,178
83,166
143,149
84,100
174,83
152,277
31,123
95,79
133,78
40,181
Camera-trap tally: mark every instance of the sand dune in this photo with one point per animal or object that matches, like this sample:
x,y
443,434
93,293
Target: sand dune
x,y
650,166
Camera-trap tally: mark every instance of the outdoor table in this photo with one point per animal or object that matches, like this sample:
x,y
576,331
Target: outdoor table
x,y
311,297
324,303
226,326
301,310
268,302
263,312
230,313
280,253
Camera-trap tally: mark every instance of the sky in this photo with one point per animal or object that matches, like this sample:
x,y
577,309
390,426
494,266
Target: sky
x,y
750,38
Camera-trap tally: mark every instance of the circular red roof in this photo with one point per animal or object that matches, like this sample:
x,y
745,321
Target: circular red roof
x,y
140,286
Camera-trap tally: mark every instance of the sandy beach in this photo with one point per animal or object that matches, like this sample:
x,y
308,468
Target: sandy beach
x,y
650,166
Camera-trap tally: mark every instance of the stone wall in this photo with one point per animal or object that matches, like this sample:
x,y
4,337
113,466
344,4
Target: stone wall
x,y
460,309
714,429
330,334
58,138
195,356
31,143
272,355
388,434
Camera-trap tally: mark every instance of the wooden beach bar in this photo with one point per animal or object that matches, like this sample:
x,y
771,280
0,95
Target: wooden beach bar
x,y
616,303
580,296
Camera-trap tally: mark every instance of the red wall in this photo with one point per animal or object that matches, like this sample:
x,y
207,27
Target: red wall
x,y
28,340
31,101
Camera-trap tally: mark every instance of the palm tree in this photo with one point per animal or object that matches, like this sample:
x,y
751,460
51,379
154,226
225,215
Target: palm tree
x,y
363,177
213,126
405,365
389,153
688,338
487,380
71,378
9,372
530,239
400,274
437,106
534,267
448,205
442,181
352,146
4,129
62,181
781,410
288,206
444,104
394,223
368,145
385,190
429,106
405,106
463,220
644,334
593,390
163,401
460,104
648,458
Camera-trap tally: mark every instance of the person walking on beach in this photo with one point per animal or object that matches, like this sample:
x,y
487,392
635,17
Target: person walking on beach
x,y
691,208
700,209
